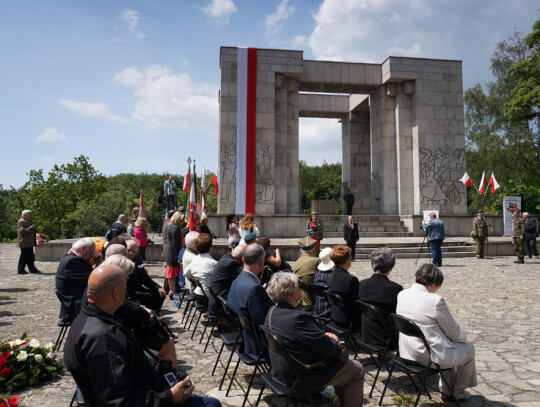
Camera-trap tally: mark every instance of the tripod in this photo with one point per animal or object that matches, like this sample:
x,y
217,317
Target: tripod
x,y
420,251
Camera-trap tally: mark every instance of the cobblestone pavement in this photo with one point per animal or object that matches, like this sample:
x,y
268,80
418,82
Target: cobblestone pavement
x,y
496,301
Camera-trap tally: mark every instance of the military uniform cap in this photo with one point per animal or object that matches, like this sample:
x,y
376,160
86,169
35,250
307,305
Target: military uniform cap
x,y
480,211
307,243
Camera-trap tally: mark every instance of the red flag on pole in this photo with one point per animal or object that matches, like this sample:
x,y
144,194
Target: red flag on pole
x,y
186,182
142,208
215,182
192,209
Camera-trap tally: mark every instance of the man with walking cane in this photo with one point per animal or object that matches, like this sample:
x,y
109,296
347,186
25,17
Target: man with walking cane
x,y
435,237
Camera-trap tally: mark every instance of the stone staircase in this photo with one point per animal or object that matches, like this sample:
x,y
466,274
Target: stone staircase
x,y
368,226
406,250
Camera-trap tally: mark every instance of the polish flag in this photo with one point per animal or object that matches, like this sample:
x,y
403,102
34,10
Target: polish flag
x,y
186,182
493,182
215,182
203,182
192,209
481,189
203,204
246,129
466,180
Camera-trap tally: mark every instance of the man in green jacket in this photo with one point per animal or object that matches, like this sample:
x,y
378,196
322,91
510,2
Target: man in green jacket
x,y
518,236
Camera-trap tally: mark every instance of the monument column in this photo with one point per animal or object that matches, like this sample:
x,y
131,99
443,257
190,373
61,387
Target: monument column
x,y
404,148
356,167
384,186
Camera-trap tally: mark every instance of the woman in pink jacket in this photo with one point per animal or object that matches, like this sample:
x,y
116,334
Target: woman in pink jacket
x,y
141,237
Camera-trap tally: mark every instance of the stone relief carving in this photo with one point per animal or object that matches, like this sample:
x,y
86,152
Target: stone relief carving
x,y
265,173
440,171
227,170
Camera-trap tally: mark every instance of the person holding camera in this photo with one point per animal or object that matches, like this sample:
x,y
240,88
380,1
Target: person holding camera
x,y
320,358
169,192
106,360
435,236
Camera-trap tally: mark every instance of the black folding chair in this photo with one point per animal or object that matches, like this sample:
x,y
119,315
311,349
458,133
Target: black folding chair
x,y
232,339
64,323
346,333
376,314
260,362
298,389
407,327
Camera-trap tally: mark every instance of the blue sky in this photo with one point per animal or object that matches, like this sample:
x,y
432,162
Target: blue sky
x,y
133,84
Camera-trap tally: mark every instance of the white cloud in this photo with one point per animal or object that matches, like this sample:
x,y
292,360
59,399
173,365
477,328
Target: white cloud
x,y
320,139
220,10
131,19
299,41
52,135
98,110
165,99
273,21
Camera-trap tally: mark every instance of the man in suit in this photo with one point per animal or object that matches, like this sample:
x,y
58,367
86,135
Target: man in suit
x,y
26,240
248,298
448,343
480,233
350,234
378,290
304,338
306,266
349,201
72,276
530,235
227,269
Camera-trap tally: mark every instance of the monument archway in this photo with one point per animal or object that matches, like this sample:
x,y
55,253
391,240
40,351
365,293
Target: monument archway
x,y
403,138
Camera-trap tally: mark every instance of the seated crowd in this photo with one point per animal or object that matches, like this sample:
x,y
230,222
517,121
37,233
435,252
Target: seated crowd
x,y
109,306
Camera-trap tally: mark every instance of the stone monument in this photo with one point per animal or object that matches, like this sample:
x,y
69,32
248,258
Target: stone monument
x,y
403,139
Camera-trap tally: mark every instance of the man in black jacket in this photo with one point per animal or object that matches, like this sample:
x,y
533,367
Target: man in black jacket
x,y
72,277
530,235
316,353
227,269
106,360
118,227
350,234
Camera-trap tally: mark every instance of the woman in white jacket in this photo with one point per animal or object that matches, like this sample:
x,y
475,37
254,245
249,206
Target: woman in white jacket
x,y
448,343
202,266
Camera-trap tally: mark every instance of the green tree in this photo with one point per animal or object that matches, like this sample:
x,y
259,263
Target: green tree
x,y
53,198
321,182
495,141
8,227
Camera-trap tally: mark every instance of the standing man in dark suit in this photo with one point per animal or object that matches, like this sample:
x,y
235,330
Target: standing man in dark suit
x,y
26,240
72,276
248,298
530,235
349,201
227,269
378,290
350,234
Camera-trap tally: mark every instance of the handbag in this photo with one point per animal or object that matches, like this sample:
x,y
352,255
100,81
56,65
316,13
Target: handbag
x,y
153,333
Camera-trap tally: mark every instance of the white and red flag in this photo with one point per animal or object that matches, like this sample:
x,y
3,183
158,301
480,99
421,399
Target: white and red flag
x,y
193,221
466,180
142,208
481,189
246,129
203,204
186,181
203,182
215,182
493,182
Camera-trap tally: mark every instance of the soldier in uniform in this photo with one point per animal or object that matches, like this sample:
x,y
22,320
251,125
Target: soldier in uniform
x,y
349,201
480,233
518,236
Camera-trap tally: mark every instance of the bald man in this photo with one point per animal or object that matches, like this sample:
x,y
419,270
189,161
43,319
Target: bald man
x,y
106,360
115,249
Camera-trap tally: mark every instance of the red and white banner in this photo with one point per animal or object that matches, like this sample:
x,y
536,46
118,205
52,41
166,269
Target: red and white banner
x,y
494,184
186,182
246,130
215,182
466,180
481,189
193,221
142,207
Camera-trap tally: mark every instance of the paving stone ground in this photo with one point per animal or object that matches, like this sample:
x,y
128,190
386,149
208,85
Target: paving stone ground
x,y
496,301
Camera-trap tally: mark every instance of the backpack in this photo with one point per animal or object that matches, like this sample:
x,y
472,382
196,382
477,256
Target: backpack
x,y
110,235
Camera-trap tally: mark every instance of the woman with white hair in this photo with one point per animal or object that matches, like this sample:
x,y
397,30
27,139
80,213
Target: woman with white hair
x,y
324,269
318,355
